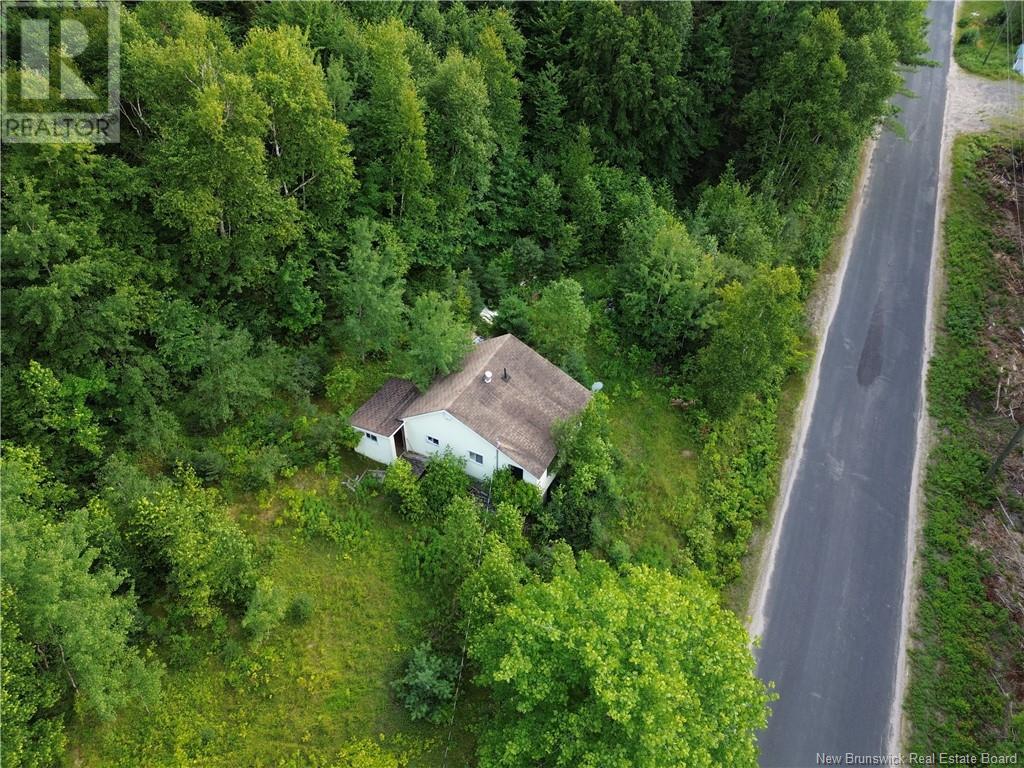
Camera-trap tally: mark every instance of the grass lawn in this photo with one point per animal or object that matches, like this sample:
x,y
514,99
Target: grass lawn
x,y
981,46
658,444
308,689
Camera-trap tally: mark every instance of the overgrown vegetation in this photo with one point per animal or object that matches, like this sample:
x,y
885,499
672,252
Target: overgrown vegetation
x,y
987,36
311,197
318,682
571,689
966,689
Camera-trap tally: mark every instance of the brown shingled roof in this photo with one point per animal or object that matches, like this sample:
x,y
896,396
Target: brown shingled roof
x,y
516,415
382,413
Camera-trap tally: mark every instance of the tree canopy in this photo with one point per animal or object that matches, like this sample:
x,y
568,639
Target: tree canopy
x,y
65,617
756,338
308,198
597,668
438,340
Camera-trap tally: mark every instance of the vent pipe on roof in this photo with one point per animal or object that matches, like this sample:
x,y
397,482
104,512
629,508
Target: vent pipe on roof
x,y
487,377
504,374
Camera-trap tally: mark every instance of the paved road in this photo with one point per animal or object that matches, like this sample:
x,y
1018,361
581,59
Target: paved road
x,y
832,610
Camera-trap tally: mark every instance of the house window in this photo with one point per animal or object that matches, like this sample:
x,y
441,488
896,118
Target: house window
x,y
433,440
373,438
478,458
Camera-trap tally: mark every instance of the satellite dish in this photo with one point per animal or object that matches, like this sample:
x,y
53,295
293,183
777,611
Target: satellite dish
x,y
597,386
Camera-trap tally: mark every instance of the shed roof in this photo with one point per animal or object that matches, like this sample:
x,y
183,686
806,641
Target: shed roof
x,y
516,413
382,413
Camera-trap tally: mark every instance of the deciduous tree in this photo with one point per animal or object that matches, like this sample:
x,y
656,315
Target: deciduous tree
x,y
371,287
190,550
71,609
667,283
390,134
559,321
745,224
756,338
460,136
437,339
585,464
597,668
309,152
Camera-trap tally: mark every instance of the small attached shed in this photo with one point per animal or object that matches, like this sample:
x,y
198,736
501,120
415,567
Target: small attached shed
x,y
379,420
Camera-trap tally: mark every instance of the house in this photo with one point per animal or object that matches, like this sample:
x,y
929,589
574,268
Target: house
x,y
497,411
1018,60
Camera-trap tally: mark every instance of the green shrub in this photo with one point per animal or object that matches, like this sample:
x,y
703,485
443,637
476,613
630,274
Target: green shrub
x,y
253,670
619,553
443,480
428,685
339,384
183,649
575,364
300,610
545,524
265,610
320,436
969,37
654,554
506,521
446,556
365,753
737,472
209,464
322,516
506,489
400,481
741,357
491,584
307,511
588,484
191,547
262,467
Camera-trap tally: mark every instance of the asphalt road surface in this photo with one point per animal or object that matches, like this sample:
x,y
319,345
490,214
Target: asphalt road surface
x,y
834,600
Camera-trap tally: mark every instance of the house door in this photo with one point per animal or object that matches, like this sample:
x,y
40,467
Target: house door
x,y
517,472
400,442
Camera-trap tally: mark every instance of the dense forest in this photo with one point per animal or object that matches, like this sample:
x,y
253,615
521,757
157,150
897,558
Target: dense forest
x,y
309,196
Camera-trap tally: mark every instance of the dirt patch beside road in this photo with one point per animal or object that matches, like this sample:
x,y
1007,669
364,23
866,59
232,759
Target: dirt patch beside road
x,y
975,104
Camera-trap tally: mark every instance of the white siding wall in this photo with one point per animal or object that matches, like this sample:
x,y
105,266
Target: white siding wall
x,y
544,480
453,434
383,450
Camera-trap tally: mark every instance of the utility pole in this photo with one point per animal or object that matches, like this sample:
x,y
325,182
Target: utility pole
x,y
994,39
990,475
